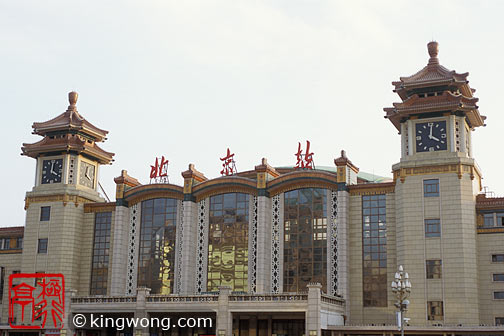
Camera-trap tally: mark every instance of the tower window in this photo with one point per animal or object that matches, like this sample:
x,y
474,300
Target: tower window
x,y
498,295
435,310
431,188
498,277
45,213
497,257
433,268
432,228
499,321
42,245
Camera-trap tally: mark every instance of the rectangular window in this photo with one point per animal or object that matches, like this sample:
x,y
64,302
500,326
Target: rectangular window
x,y
499,321
42,245
374,251
488,220
435,310
499,295
498,277
498,257
500,219
433,269
5,243
19,243
45,213
16,272
99,269
432,228
2,282
431,188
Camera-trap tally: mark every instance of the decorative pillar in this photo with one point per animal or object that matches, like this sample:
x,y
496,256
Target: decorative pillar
x,y
187,260
125,231
313,314
265,173
224,317
140,311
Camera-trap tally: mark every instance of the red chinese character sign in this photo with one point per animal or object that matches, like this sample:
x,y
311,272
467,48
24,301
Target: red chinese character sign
x,y
228,164
159,172
304,160
30,306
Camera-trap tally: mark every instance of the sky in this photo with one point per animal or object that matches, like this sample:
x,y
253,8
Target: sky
x,y
188,79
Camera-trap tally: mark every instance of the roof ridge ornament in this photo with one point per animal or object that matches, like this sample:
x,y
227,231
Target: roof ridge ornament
x,y
433,49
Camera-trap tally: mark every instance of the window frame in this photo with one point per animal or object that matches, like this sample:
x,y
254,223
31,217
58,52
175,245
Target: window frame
x,y
433,267
497,255
498,274
429,308
495,293
45,213
501,322
39,251
432,234
427,186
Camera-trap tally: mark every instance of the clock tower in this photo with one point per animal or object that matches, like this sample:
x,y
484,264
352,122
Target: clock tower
x,y
66,177
436,183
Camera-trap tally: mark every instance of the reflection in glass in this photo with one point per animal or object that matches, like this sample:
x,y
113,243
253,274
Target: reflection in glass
x,y
156,259
228,242
305,239
374,255
101,245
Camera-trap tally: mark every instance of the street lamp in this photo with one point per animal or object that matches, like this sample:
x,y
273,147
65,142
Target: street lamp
x,y
401,287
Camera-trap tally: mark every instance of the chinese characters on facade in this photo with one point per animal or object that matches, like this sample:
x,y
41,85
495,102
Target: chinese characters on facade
x,y
228,164
159,172
304,160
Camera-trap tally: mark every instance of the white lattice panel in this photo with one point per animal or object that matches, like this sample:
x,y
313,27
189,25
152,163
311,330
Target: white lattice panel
x,y
202,247
252,243
178,251
332,286
132,266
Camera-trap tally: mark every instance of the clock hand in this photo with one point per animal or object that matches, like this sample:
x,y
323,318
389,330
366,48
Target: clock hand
x,y
430,134
52,168
434,138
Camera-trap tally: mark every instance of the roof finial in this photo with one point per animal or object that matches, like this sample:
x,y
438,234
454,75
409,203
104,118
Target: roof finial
x,y
433,49
72,98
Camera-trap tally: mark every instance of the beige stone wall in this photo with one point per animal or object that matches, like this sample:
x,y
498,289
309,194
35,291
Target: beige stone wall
x,y
456,247
489,244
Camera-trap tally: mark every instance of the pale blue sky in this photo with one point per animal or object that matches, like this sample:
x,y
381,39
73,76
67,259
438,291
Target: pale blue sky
x,y
188,79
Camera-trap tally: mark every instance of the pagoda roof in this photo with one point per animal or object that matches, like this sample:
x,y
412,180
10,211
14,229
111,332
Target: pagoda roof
x,y
67,143
68,121
434,76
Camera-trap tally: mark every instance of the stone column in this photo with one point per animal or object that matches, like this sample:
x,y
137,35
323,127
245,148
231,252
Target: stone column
x,y
224,318
313,314
188,260
140,311
68,325
263,281
119,251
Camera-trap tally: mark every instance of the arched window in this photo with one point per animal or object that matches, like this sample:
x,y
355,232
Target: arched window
x,y
305,239
228,242
156,260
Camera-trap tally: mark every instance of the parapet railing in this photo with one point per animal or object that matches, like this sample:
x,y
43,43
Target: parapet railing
x,y
268,297
103,299
332,300
182,298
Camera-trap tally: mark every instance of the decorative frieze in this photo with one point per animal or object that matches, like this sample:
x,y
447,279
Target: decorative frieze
x,y
332,283
178,249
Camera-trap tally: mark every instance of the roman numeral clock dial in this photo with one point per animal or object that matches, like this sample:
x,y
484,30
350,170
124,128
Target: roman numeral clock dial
x,y
431,136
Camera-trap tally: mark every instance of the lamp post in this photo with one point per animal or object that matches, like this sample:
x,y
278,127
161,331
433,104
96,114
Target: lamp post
x,y
401,287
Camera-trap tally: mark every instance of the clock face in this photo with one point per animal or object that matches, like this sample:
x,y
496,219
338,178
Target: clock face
x,y
52,171
87,174
431,136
